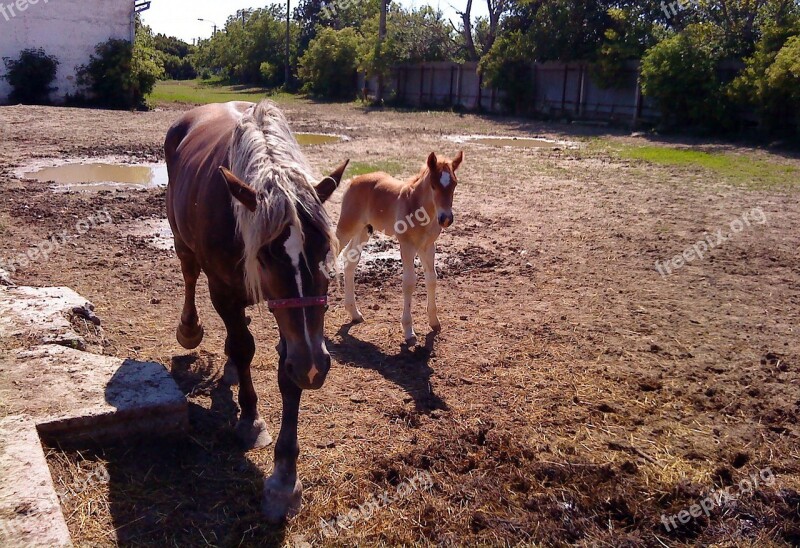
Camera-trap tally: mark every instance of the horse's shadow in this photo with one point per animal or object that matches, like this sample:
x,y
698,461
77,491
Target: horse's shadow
x,y
196,490
409,368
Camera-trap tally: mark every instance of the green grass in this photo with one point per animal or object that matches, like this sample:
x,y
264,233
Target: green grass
x,y
201,92
360,168
736,169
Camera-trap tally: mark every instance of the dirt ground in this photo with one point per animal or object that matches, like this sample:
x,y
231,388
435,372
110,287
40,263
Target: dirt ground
x,y
574,396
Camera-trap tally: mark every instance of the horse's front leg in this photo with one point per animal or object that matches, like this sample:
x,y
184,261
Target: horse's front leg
x,y
241,347
283,490
407,253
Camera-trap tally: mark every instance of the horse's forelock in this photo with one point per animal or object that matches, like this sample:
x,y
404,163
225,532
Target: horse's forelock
x,y
265,152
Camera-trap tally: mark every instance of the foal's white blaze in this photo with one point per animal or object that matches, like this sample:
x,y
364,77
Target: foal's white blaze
x,y
294,249
445,179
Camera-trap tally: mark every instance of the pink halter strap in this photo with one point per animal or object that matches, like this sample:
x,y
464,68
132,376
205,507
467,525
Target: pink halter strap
x,y
297,302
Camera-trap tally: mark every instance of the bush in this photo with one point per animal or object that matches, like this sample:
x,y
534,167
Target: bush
x,y
770,83
680,73
328,67
31,76
177,68
120,74
506,68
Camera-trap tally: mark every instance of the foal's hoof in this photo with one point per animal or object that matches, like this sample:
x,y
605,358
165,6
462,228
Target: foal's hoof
x,y
189,337
230,375
281,501
412,340
253,434
356,318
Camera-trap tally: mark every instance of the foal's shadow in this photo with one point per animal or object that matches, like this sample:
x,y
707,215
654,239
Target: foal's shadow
x,y
408,368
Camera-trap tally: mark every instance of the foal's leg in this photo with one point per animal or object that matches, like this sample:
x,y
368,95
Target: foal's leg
x,y
283,490
352,255
407,254
241,348
428,258
189,332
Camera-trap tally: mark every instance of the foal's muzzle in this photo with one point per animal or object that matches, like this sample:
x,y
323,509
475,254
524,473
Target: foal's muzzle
x,y
445,219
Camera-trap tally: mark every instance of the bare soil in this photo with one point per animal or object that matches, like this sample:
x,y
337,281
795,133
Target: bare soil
x,y
573,397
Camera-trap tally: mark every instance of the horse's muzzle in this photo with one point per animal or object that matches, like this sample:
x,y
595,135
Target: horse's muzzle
x,y
445,219
309,377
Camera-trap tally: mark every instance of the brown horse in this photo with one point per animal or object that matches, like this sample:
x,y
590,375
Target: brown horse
x,y
243,210
378,201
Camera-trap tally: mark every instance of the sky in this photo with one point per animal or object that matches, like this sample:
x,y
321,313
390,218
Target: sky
x,y
180,17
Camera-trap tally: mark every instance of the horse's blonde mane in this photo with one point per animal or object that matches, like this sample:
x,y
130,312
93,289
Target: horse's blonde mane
x,y
265,154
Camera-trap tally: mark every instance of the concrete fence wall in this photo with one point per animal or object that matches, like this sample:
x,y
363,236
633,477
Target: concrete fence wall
x,y
564,90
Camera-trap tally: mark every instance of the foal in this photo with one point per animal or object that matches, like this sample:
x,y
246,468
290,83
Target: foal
x,y
415,212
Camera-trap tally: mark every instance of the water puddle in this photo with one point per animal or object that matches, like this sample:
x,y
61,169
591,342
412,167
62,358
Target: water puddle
x,y
101,176
514,142
113,173
312,139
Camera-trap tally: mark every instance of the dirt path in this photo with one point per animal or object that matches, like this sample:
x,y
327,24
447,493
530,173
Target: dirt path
x,y
574,396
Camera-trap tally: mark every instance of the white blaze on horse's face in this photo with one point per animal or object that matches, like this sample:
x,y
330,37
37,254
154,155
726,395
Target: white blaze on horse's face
x,y
294,249
445,180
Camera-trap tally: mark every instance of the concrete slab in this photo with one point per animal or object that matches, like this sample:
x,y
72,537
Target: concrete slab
x,y
40,314
5,277
30,513
78,398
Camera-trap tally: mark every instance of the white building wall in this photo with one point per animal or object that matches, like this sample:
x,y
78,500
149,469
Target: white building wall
x,y
66,29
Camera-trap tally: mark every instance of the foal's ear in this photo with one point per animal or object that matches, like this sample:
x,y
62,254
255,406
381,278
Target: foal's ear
x,y
433,162
458,159
329,184
240,190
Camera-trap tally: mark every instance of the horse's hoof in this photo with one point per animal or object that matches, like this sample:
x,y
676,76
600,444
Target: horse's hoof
x,y
412,340
280,501
188,337
253,434
436,327
230,375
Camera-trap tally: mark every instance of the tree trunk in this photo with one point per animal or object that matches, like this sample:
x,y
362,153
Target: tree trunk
x,y
466,22
381,36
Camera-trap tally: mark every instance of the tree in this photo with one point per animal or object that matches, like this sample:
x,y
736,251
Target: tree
x,y
175,57
412,36
484,30
770,82
240,51
680,73
328,67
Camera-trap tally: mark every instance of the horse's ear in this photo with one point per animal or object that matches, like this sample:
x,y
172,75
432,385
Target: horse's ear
x,y
433,162
329,184
458,159
240,190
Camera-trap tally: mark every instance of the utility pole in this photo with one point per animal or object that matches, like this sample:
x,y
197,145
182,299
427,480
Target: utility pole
x,y
286,75
381,37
